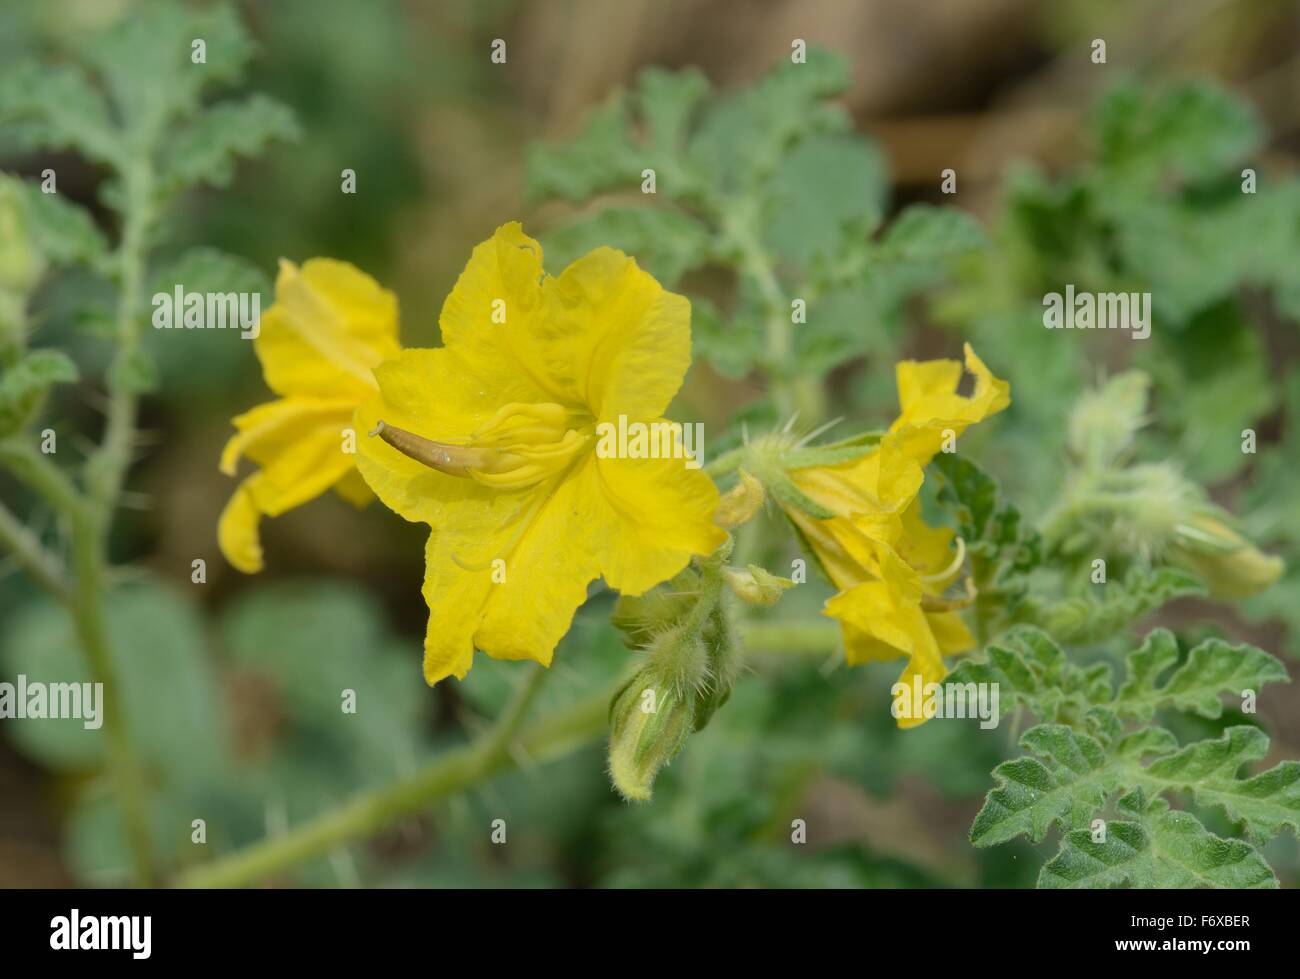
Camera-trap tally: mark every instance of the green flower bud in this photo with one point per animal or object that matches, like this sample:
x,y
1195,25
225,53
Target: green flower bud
x,y
692,660
1104,421
1231,566
640,618
649,723
756,585
21,264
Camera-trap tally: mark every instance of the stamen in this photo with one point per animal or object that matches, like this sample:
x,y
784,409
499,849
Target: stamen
x,y
454,460
953,566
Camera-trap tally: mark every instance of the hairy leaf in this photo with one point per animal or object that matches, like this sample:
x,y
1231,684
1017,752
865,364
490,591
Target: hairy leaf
x,y
1030,669
204,151
1085,620
1265,803
927,234
1212,668
1192,130
22,385
1160,848
63,232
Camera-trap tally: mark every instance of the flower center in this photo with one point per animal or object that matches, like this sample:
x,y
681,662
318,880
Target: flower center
x,y
520,446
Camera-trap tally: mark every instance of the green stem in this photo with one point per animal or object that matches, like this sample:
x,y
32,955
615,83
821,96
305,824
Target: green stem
x,y
498,740
41,476
85,599
727,462
792,391
1087,500
13,327
791,637
92,630
105,473
453,772
711,581
106,468
46,569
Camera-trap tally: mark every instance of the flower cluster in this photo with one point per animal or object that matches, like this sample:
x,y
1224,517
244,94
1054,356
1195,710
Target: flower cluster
x,y
489,439
891,569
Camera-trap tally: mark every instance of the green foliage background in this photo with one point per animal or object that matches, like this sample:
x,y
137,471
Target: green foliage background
x,y
769,188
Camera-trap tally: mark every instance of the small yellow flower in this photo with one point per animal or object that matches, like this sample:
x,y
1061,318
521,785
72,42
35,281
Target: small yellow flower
x,y
329,327
491,440
890,568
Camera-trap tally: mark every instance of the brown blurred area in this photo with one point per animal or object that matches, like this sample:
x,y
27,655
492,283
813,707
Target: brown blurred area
x,y
970,84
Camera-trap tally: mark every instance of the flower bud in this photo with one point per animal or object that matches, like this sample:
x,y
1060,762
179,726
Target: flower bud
x,y
740,503
649,723
756,585
640,618
1231,565
21,264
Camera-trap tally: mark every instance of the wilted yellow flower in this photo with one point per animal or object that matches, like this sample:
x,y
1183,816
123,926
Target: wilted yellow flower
x,y
330,326
491,440
890,568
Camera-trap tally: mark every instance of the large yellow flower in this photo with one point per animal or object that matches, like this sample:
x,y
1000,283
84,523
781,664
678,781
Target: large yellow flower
x,y
491,440
890,568
329,327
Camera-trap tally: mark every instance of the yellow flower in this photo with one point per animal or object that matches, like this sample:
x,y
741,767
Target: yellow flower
x,y
329,327
890,568
491,440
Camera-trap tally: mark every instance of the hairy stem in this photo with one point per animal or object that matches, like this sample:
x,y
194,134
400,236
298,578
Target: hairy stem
x,y
45,568
728,462
793,392
791,637
92,631
455,771
105,473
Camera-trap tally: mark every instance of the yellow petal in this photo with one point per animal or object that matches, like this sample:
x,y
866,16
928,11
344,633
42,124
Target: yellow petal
x,y
834,545
270,429
923,384
883,612
627,339
927,394
496,323
237,533
354,489
950,632
330,325
929,550
929,670
656,514
299,444
888,610
504,572
603,337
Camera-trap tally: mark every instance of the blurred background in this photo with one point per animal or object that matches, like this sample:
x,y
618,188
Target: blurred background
x,y
235,681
